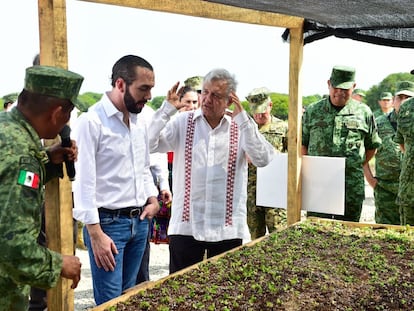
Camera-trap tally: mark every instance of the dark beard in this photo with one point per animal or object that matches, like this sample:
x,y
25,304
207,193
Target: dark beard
x,y
130,103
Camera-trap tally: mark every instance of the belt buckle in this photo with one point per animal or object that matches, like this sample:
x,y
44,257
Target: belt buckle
x,y
135,212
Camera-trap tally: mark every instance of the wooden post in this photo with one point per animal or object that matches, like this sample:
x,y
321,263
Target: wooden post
x,y
295,127
58,197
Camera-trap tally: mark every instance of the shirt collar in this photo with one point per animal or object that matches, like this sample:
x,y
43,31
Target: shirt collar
x,y
199,113
111,110
109,106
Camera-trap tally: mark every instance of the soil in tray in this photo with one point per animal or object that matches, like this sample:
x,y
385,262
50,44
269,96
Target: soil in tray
x,y
311,266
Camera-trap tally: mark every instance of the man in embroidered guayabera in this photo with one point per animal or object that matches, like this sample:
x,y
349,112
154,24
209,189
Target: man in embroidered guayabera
x,y
405,138
43,108
114,192
260,218
210,168
388,157
339,126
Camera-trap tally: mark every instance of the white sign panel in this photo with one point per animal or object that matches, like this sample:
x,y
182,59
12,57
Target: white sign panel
x,y
271,187
323,184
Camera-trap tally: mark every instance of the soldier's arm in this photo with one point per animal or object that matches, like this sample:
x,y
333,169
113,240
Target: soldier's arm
x,y
372,181
369,154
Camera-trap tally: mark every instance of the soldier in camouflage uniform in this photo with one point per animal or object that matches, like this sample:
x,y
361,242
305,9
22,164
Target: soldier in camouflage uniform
x,y
387,159
405,137
339,126
275,131
43,109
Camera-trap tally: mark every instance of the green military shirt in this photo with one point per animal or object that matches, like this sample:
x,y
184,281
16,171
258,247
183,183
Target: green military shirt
x,y
347,133
405,135
23,262
388,156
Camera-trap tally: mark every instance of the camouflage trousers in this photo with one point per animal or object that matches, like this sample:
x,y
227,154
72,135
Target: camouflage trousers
x,y
387,211
407,215
259,218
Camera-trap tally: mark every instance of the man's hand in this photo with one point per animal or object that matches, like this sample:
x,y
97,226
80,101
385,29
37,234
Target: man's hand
x,y
71,269
166,196
103,247
151,209
234,99
57,153
174,94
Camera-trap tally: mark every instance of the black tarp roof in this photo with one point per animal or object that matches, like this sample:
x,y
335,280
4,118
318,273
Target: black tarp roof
x,y
382,22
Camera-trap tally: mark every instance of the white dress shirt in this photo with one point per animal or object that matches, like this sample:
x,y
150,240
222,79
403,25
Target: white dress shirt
x,y
112,170
158,161
209,216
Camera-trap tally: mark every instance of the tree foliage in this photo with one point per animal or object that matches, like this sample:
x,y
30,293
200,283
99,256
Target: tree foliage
x,y
156,102
389,84
89,98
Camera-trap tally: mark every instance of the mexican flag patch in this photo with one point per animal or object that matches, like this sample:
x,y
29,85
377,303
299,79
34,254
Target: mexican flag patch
x,y
28,179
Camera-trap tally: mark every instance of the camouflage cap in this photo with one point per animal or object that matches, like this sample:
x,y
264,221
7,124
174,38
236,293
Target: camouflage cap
x,y
405,88
55,82
359,92
195,83
385,95
342,77
258,100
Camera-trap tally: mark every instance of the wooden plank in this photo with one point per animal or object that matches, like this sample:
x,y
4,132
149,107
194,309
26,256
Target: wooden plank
x,y
200,8
295,127
58,196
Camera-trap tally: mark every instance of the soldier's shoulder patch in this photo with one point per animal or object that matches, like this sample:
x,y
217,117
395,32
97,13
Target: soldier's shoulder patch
x,y
29,179
29,173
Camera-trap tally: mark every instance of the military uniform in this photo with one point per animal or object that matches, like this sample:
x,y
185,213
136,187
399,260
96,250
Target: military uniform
x,y
405,135
22,174
347,133
24,169
275,131
387,170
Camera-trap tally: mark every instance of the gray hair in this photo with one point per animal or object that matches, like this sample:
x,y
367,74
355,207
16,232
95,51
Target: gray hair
x,y
222,74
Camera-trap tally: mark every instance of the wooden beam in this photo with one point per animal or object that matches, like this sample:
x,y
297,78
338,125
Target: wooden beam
x,y
295,127
58,196
199,8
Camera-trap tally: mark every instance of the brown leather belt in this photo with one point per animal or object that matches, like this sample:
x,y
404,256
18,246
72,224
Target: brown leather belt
x,y
131,212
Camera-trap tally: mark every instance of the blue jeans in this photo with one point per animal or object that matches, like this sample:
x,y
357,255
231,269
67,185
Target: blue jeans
x,y
130,238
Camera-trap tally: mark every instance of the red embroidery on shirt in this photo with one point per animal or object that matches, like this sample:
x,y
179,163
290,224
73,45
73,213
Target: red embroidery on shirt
x,y
231,172
231,169
188,157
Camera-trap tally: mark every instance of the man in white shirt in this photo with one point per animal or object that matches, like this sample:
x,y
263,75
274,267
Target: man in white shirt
x,y
210,169
114,193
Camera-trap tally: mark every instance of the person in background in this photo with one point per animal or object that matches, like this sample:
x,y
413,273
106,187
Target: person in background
x,y
339,126
385,103
260,218
358,95
404,137
159,171
114,193
189,99
195,83
387,159
43,108
210,169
